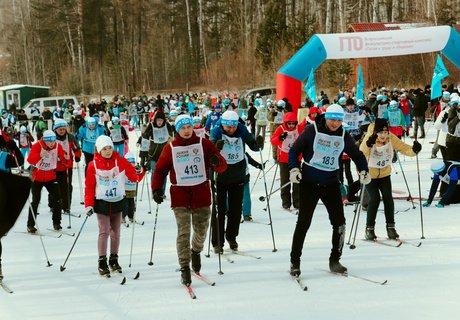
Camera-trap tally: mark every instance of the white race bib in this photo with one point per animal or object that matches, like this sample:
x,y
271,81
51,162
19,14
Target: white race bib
x,y
326,151
380,157
352,120
233,150
290,138
278,119
188,163
145,145
160,135
49,162
110,184
115,134
200,132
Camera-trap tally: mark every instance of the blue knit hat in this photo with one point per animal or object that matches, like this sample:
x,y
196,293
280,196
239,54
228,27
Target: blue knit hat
x,y
182,120
334,112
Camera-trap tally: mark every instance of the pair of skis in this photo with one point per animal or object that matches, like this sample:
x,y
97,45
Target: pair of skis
x,y
396,243
123,280
199,277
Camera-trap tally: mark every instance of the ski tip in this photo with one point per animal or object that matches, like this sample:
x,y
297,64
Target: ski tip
x,y
150,263
384,282
123,281
137,276
62,268
419,244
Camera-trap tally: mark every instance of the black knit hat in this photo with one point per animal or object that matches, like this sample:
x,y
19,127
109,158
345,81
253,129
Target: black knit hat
x,y
380,124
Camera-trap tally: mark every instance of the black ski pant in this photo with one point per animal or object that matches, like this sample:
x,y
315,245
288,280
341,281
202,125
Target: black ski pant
x,y
88,158
53,189
230,204
331,197
286,198
374,188
64,180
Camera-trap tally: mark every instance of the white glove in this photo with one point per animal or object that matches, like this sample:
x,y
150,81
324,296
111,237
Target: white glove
x,y
364,177
295,176
89,211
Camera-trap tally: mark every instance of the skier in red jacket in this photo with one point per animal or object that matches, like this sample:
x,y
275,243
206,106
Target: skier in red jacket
x,y
105,195
45,155
187,160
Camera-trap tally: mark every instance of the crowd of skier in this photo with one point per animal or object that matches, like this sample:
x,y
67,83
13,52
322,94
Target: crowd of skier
x,y
200,142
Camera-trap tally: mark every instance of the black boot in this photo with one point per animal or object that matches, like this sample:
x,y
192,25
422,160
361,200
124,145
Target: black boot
x,y
391,231
336,267
103,268
1,274
233,245
295,269
370,233
338,239
57,226
186,277
113,263
196,261
31,229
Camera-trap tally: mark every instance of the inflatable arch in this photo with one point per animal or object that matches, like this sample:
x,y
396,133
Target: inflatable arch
x,y
362,45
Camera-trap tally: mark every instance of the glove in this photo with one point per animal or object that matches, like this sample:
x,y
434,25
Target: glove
x,y
260,141
214,160
158,196
416,147
439,205
364,177
89,211
294,175
283,136
138,168
147,166
77,159
220,144
426,204
275,113
371,141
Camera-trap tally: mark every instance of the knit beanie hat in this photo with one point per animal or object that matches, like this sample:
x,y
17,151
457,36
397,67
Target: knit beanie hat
x,y
380,124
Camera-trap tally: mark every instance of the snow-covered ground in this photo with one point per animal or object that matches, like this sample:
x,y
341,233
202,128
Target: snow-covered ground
x,y
423,283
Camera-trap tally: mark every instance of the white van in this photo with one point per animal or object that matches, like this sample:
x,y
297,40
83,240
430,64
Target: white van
x,y
48,102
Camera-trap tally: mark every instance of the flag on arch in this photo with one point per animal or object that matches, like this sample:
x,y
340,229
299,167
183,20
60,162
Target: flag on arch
x,y
310,87
439,73
360,84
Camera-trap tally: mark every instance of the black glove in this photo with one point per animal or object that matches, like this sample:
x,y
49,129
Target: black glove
x,y
260,141
371,141
416,147
11,145
214,160
147,166
283,136
158,196
77,159
275,113
220,144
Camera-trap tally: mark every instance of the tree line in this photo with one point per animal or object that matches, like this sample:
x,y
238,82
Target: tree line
x,y
133,46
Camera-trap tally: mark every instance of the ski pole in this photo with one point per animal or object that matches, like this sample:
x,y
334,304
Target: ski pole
x,y
419,196
273,182
68,197
142,191
355,212
73,245
209,237
215,218
150,263
80,185
148,196
134,225
262,198
405,181
40,235
353,246
268,199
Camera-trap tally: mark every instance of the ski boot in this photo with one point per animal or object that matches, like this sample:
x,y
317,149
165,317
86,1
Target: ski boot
x,y
186,277
336,267
1,274
113,263
103,268
196,261
247,218
57,226
218,250
295,269
233,245
391,231
370,233
31,229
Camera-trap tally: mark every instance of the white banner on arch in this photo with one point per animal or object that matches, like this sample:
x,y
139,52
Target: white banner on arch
x,y
385,43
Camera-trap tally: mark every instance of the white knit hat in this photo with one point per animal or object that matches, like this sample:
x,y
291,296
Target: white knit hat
x,y
49,135
103,141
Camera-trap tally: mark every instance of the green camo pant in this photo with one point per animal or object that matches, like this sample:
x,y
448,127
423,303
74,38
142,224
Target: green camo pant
x,y
185,218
